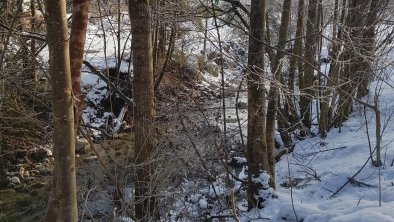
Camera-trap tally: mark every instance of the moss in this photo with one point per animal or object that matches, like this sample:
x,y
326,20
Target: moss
x,y
24,203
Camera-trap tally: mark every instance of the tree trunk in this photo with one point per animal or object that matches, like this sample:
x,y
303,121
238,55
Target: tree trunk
x,y
354,22
336,56
296,64
256,144
63,198
273,94
310,54
32,62
368,48
77,43
144,111
327,89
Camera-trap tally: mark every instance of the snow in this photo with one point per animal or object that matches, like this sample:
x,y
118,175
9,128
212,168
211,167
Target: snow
x,y
324,165
321,166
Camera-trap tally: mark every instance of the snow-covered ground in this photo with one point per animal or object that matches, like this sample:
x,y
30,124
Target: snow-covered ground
x,y
323,166
316,169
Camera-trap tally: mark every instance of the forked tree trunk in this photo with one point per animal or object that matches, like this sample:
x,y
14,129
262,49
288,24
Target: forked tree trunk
x,y
336,55
63,198
273,94
331,82
77,43
354,22
144,111
368,46
256,145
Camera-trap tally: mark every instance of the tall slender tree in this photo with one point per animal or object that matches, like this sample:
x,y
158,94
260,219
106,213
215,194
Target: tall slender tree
x,y
324,117
63,198
144,110
310,54
256,144
77,43
32,62
296,63
273,94
368,46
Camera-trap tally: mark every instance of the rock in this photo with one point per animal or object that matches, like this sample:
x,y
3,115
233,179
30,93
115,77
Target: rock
x,y
35,172
82,145
6,181
47,161
15,180
43,170
242,105
39,154
30,178
11,173
203,203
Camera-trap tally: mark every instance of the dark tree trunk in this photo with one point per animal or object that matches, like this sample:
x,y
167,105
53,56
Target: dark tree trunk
x,y
256,144
310,54
144,111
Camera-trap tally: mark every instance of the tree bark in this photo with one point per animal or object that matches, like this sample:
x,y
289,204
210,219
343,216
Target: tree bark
x,y
144,111
63,198
256,144
273,94
77,43
368,47
354,22
296,64
327,89
310,54
32,62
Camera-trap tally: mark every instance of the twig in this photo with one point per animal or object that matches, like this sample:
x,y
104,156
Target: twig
x,y
380,186
322,151
104,132
168,56
233,207
237,114
196,149
291,190
14,19
367,131
85,203
283,152
106,170
221,73
349,179
359,183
